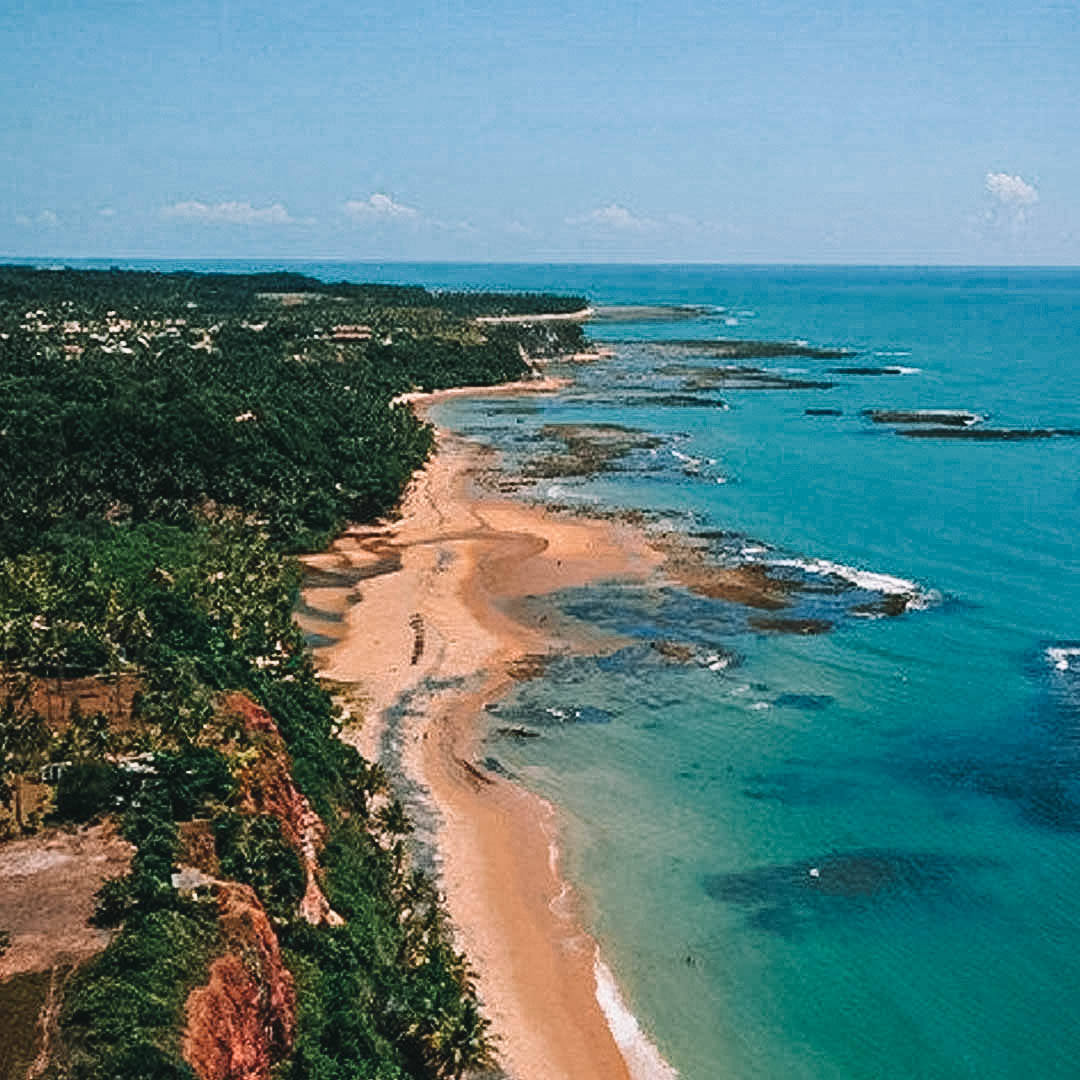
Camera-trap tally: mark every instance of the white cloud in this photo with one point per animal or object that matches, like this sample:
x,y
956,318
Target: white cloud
x,y
613,216
229,213
1011,191
107,212
379,207
47,218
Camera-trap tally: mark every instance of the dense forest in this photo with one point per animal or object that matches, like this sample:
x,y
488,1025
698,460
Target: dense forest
x,y
166,441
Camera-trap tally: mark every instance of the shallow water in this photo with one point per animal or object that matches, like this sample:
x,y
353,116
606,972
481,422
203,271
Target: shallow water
x,y
852,854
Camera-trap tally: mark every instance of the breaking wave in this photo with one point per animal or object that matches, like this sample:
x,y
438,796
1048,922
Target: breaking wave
x,y
643,1060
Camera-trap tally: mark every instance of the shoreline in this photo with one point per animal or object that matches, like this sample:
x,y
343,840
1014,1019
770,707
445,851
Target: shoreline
x,y
415,616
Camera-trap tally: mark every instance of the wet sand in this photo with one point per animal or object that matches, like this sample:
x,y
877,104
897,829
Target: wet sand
x,y
424,606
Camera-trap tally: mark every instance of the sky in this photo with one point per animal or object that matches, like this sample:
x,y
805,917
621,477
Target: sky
x,y
767,131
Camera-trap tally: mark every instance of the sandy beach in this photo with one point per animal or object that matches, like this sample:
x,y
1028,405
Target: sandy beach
x,y
418,623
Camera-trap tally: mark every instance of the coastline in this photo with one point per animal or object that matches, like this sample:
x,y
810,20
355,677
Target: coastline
x,y
416,619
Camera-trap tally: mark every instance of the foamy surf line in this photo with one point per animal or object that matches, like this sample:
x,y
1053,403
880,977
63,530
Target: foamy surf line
x,y
643,1060
1062,655
918,598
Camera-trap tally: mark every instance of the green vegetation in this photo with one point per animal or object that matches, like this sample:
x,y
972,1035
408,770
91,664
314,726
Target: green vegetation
x,y
145,397
165,442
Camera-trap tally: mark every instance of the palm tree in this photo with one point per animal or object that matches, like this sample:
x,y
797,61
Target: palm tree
x,y
461,1043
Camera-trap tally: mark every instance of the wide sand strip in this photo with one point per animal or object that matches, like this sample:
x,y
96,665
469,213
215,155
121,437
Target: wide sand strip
x,y
426,601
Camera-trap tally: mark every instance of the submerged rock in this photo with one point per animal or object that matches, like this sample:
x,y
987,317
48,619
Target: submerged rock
x,y
865,371
494,765
744,378
589,448
782,625
991,434
674,650
805,702
788,898
529,666
646,312
676,401
517,732
749,349
890,604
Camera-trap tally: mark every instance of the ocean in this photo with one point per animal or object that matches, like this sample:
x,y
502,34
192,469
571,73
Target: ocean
x,y
851,851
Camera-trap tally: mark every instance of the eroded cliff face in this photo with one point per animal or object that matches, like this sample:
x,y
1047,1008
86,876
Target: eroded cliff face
x,y
242,1022
266,786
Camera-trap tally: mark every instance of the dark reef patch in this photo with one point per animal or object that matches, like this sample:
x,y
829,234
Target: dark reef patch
x,y
864,371
1033,764
959,418
891,604
941,417
977,434
675,651
784,625
797,787
531,714
646,312
701,377
494,765
635,398
588,449
675,401
789,898
518,733
749,349
529,666
804,702
824,412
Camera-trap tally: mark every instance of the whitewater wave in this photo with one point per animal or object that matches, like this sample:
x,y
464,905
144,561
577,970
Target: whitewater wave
x,y
558,491
643,1060
918,598
687,459
1061,656
696,466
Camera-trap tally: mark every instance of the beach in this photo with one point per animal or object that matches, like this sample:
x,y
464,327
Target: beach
x,y
423,608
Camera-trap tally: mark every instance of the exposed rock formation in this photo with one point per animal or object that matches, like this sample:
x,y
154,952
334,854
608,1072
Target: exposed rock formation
x,y
242,1022
267,787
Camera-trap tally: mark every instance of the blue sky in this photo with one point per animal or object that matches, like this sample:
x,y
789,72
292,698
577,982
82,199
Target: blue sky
x,y
774,131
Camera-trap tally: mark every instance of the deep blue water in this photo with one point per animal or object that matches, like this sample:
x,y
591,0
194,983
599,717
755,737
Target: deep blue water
x,y
925,767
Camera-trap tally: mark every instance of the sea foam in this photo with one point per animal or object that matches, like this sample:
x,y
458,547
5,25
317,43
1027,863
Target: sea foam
x,y
643,1060
918,598
1061,655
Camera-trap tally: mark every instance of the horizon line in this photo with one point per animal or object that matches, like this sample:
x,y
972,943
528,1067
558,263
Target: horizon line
x,y
375,261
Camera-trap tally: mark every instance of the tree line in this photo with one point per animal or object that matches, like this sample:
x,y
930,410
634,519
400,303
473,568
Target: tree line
x,y
166,441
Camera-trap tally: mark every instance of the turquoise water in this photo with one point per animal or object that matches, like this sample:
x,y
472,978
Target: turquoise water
x,y
925,767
